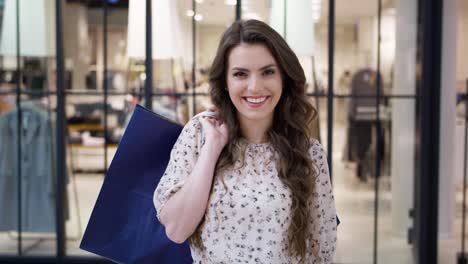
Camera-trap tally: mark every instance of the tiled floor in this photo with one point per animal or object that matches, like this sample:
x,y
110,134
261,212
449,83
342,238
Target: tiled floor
x,y
355,205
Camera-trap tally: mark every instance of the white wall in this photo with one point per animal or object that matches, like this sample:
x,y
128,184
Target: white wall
x,y
367,41
462,45
76,42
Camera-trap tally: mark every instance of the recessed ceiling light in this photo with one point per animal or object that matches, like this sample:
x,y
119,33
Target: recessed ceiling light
x,y
198,17
199,1
190,13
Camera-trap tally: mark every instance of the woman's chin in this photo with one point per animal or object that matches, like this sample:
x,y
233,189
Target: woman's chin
x,y
257,117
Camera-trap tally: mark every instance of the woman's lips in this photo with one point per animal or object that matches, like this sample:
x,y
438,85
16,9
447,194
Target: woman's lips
x,y
255,101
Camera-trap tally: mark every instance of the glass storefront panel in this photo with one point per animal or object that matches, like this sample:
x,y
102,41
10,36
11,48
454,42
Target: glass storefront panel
x,y
398,168
451,215
400,162
357,61
85,162
88,155
353,134
27,141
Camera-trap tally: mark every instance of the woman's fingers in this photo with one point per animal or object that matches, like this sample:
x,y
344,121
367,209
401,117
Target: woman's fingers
x,y
212,108
204,122
211,122
208,121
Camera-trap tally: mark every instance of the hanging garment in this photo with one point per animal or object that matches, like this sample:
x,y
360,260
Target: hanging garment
x,y
363,89
362,117
37,173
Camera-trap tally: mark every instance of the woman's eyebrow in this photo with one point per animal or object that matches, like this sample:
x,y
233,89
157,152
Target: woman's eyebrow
x,y
261,69
268,66
239,69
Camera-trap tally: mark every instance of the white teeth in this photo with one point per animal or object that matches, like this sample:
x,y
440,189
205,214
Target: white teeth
x,y
255,100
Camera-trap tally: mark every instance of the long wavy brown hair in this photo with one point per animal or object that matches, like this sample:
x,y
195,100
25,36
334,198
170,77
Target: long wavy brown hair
x,y
290,132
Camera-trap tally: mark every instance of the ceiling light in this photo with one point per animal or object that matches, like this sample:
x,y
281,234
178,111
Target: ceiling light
x,y
316,15
190,13
199,1
230,2
198,17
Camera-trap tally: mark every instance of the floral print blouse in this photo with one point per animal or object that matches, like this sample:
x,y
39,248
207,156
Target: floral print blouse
x,y
248,223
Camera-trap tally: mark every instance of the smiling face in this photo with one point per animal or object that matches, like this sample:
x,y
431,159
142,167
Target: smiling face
x,y
254,83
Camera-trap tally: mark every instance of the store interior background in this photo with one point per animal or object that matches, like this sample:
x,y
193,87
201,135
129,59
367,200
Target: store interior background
x,y
355,50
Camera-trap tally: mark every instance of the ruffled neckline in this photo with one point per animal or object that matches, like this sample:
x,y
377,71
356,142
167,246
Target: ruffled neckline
x,y
261,147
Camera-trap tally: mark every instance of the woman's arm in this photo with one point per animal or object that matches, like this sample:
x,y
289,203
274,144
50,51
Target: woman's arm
x,y
323,220
183,211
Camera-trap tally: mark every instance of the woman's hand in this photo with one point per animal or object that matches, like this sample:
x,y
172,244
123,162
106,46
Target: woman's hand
x,y
215,131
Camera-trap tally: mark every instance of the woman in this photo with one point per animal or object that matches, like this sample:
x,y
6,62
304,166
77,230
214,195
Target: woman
x,y
250,185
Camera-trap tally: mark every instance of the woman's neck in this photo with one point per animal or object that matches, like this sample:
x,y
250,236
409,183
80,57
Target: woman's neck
x,y
254,131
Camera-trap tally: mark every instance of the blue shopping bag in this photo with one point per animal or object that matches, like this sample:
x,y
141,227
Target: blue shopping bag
x,y
123,226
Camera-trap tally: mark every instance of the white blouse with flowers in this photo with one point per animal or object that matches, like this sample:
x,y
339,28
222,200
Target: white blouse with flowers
x,y
249,222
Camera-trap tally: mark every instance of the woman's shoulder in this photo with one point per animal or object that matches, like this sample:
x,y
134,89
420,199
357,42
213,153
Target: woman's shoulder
x,y
193,126
316,149
194,122
191,132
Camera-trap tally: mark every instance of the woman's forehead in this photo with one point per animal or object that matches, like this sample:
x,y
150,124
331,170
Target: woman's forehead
x,y
250,56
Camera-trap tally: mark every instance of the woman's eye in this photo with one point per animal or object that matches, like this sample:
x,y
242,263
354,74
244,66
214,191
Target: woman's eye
x,y
269,72
239,74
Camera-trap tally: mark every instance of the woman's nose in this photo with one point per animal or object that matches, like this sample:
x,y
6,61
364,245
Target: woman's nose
x,y
254,84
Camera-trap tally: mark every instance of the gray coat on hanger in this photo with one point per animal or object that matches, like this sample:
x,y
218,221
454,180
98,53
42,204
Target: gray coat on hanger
x,y
37,173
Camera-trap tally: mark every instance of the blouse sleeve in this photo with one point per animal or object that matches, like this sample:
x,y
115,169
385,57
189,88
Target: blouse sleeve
x,y
323,213
182,159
